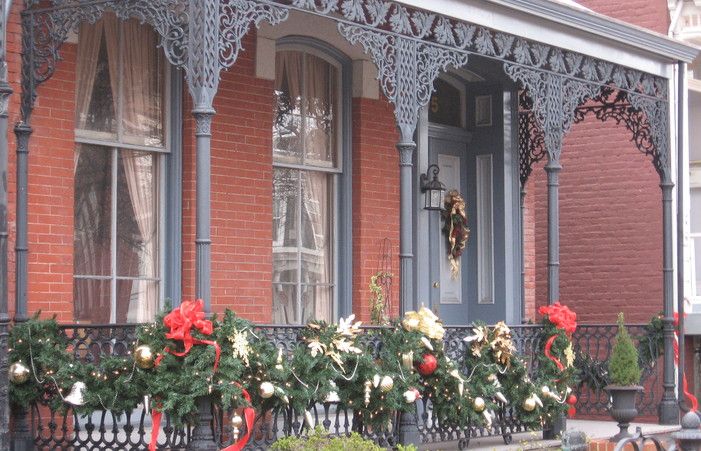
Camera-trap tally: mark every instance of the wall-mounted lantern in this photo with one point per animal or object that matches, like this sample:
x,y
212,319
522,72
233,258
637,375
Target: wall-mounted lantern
x,y
433,190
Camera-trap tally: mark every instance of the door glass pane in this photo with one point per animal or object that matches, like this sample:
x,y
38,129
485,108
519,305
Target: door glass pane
x,y
142,77
446,104
96,84
285,309
316,234
321,101
137,215
91,301
316,303
287,123
696,210
92,210
285,229
137,301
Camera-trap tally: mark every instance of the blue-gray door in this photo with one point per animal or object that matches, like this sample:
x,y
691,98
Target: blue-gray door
x,y
478,162
450,295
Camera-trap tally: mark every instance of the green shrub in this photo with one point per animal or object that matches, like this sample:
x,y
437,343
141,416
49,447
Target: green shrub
x,y
319,440
623,363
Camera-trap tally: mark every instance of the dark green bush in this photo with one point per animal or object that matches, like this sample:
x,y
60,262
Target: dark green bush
x,y
623,363
319,440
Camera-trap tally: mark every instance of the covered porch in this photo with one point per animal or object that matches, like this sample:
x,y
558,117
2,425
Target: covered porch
x,y
542,66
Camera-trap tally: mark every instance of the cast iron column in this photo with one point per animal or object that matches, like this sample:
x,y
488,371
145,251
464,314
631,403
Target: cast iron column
x,y
5,92
203,241
553,170
668,409
406,148
522,212
22,132
681,169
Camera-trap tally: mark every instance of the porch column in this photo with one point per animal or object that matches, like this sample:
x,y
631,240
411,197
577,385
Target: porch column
x,y
406,147
668,409
5,92
203,174
553,170
22,133
682,121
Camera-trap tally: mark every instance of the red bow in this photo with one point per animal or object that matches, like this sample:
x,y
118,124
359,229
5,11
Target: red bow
x,y
561,316
181,321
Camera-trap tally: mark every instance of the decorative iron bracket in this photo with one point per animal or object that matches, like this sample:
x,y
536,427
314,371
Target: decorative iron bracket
x,y
555,99
531,142
200,37
406,70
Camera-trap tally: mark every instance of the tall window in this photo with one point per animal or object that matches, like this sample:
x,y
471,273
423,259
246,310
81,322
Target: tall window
x,y
306,156
120,138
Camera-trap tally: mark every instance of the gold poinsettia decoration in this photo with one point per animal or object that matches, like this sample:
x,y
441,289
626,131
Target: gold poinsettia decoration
x,y
502,345
477,340
240,346
569,355
426,322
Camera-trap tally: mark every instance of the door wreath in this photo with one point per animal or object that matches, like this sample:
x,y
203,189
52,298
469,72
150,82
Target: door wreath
x,y
455,229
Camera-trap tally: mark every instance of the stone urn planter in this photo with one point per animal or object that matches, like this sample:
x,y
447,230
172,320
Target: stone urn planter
x,y
622,409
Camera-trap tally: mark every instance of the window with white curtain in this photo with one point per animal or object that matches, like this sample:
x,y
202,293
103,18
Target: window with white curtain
x,y
306,156
120,142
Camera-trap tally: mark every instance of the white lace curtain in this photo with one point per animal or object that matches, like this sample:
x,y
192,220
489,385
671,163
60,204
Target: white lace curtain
x,y
139,113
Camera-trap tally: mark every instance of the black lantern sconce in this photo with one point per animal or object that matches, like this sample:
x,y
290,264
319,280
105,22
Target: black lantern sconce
x,y
434,190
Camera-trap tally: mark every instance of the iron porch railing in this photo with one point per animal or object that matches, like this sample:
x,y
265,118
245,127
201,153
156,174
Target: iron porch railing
x,y
105,430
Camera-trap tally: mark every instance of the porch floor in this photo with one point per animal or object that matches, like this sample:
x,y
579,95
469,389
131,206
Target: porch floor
x,y
596,431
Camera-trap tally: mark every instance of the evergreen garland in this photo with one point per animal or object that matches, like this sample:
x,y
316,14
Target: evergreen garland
x,y
330,363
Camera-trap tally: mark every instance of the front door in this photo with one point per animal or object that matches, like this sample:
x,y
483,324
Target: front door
x,y
449,295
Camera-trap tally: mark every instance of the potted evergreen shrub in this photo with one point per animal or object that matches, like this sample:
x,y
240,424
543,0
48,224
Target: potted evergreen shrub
x,y
624,380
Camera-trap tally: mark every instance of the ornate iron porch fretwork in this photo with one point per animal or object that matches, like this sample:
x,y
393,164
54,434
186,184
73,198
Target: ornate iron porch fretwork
x,y
612,104
406,70
531,142
453,34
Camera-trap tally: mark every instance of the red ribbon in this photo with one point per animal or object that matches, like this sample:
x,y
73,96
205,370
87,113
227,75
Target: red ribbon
x,y
249,415
548,347
561,316
685,385
181,321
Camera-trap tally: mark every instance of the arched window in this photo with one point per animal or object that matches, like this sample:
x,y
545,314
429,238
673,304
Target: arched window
x,y
307,166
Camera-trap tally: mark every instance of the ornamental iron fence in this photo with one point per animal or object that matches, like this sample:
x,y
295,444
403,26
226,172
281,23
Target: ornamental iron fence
x,y
106,430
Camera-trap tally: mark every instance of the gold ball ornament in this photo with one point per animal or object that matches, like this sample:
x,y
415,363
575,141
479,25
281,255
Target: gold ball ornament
x,y
478,404
529,404
18,373
266,390
144,358
545,390
386,384
236,421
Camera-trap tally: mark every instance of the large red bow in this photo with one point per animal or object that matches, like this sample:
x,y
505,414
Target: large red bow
x,y
181,321
561,316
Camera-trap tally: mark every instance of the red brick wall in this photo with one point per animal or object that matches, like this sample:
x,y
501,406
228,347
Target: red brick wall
x,y
241,192
652,14
375,199
610,226
610,220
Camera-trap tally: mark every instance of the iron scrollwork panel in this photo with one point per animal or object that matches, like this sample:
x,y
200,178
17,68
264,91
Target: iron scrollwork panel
x,y
406,68
555,99
531,142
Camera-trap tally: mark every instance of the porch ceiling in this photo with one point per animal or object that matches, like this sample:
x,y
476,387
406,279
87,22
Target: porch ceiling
x,y
571,28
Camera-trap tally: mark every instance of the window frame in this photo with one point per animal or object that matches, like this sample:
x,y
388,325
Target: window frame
x,y
694,176
168,168
341,172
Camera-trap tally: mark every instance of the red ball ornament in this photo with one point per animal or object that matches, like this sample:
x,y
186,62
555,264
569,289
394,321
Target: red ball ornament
x,y
572,400
428,365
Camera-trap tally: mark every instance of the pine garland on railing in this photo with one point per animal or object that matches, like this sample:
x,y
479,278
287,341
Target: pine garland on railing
x,y
182,357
